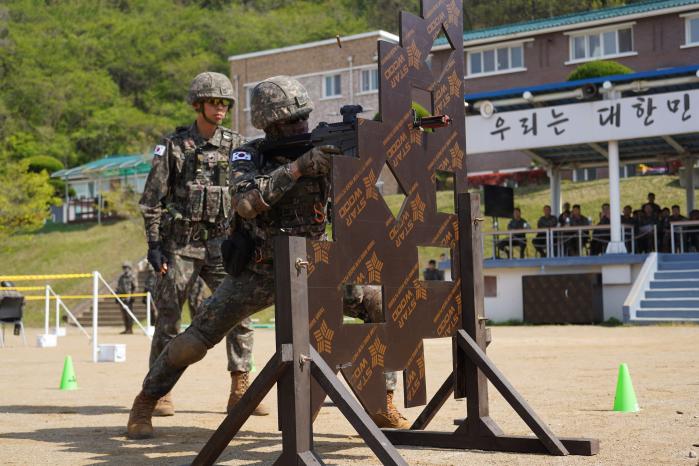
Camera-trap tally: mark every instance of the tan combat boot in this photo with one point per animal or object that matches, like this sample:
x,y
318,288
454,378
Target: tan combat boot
x,y
391,418
165,406
239,384
139,425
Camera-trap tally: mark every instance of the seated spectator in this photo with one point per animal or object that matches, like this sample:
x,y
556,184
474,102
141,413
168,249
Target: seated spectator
x,y
600,238
574,241
664,230
545,221
652,204
647,225
628,220
680,238
564,218
432,272
518,239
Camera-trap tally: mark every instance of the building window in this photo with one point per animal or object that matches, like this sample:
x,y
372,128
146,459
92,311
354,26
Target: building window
x,y
601,44
692,30
370,80
332,86
496,60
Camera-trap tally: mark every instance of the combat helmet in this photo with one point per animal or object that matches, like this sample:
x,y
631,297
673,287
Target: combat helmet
x,y
210,85
278,99
126,264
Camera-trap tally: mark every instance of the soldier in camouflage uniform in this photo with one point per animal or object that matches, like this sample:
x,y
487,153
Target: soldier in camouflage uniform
x,y
186,206
272,196
127,284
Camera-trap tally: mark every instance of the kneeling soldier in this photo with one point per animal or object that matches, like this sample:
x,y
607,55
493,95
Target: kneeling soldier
x,y
274,196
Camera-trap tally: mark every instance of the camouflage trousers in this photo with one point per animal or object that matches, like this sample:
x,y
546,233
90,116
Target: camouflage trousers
x,y
171,292
365,302
236,299
128,323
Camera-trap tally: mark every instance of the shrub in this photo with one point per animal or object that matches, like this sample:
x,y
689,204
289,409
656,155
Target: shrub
x,y
38,163
598,69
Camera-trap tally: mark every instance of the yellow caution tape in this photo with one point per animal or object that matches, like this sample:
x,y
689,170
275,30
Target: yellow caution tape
x,y
23,288
83,296
62,276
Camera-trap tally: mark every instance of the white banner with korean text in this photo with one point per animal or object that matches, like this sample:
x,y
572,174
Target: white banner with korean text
x,y
598,121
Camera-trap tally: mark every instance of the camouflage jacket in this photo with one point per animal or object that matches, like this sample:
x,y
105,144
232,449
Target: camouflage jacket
x,y
294,208
186,199
128,283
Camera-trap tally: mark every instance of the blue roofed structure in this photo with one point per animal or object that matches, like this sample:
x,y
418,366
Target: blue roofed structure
x,y
104,174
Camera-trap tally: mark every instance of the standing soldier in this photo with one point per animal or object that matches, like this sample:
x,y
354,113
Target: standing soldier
x,y
273,196
186,206
127,284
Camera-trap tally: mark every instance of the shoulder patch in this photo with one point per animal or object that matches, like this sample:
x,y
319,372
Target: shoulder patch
x,y
240,155
159,150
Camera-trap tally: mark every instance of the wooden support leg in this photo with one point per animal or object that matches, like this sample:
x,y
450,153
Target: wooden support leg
x,y
230,426
355,414
435,404
540,429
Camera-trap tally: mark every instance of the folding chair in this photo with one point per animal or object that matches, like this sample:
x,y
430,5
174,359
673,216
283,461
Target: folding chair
x,y
11,309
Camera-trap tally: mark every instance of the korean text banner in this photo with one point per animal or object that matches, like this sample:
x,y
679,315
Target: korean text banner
x,y
606,120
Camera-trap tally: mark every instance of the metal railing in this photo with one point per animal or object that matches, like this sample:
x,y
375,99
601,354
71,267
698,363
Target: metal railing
x,y
680,229
563,241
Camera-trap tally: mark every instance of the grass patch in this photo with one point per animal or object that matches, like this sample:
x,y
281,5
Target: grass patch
x,y
79,248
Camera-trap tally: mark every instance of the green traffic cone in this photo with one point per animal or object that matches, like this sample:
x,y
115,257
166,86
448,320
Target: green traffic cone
x,y
68,379
625,399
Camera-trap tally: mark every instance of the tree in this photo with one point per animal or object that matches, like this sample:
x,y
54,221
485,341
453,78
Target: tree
x,y
24,199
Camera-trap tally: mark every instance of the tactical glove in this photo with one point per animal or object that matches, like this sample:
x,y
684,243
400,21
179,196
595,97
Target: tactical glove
x,y
156,257
316,162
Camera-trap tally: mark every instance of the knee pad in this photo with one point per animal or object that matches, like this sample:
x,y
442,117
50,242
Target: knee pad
x,y
184,350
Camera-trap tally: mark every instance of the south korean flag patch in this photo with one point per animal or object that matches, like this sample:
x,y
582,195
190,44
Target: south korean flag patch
x,y
240,155
159,150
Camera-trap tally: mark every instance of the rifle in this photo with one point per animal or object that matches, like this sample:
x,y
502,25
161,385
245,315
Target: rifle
x,y
341,134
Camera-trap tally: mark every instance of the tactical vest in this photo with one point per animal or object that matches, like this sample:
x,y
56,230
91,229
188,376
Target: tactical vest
x,y
300,212
200,202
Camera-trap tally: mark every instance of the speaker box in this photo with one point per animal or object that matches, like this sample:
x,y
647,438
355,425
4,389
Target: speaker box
x,y
499,201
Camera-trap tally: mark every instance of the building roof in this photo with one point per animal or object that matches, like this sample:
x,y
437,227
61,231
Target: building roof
x,y
575,20
109,166
379,33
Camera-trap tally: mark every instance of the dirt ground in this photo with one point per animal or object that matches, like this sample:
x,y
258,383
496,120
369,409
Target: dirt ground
x,y
567,374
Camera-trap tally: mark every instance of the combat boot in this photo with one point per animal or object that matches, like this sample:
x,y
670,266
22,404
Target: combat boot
x,y
391,418
240,381
165,406
140,425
